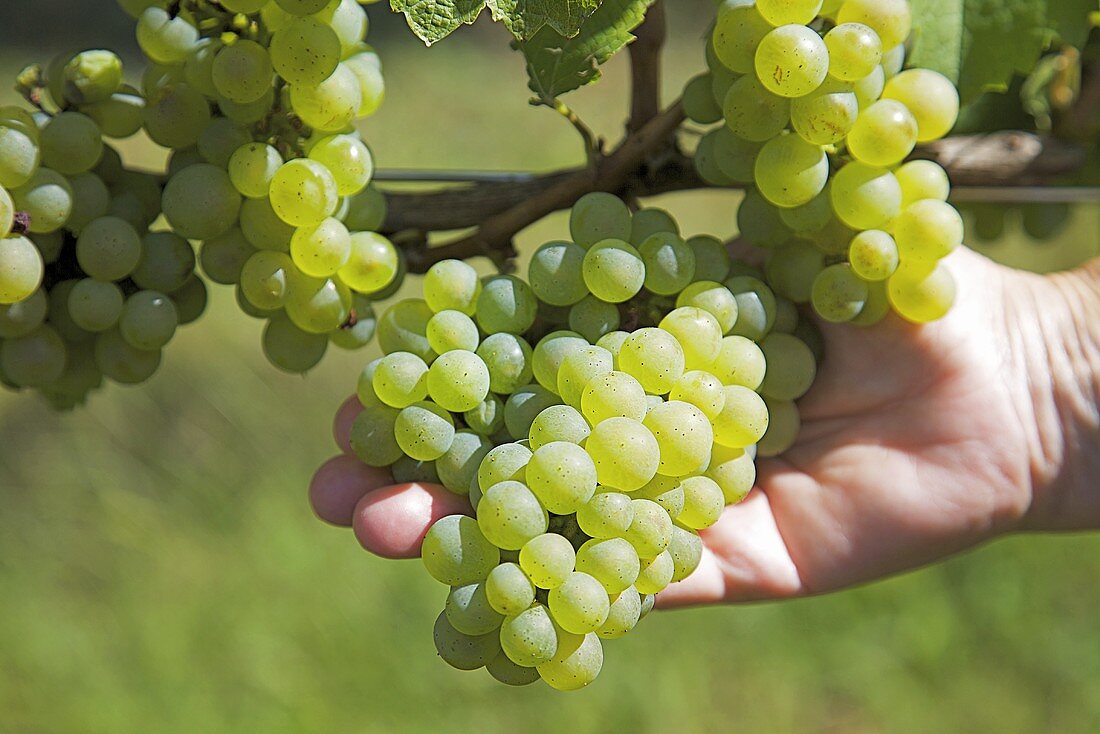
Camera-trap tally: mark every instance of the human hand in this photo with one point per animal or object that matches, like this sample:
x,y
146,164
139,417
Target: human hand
x,y
917,442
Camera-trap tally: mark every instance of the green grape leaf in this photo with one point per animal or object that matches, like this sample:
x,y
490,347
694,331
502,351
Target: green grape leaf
x,y
556,64
525,18
980,44
434,20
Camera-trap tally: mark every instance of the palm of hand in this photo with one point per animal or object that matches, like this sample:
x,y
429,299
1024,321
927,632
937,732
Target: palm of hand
x,y
895,466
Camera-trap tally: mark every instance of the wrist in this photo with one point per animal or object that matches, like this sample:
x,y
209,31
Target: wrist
x,y
1062,367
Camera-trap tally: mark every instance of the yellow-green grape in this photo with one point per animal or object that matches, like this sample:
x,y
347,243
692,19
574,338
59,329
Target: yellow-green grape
x,y
597,217
404,327
920,295
372,264
743,420
401,379
318,305
322,250
523,407
165,39
424,431
555,273
504,463
656,574
47,197
701,389
303,193
781,12
714,298
686,549
456,553
930,96
669,263
580,368
613,342
735,158
252,167
733,470
265,279
651,530
613,395
262,227
509,359
839,294
654,358
712,260
506,304
868,90
792,61
826,115
563,476
739,362
452,285
503,670
877,307
928,230
854,51
458,381
893,60
38,358
508,589
613,562
666,492
372,87
530,637
21,269
865,197
625,453
576,663
349,160
623,616
890,19
791,270
71,143
242,72
550,352
753,112
756,307
547,560
737,33
579,604
703,503
792,367
613,271
783,428
108,249
698,332
21,318
458,467
295,351
884,134
305,52
559,423
450,330
462,651
606,515
650,221
487,419
468,610
873,255
684,436
331,105
593,318
509,515
922,180
699,103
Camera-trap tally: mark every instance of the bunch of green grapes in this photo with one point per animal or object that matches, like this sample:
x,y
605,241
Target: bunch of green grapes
x,y
87,289
598,415
820,119
257,100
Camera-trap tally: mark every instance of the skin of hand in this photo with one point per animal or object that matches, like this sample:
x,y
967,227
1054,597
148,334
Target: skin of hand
x,y
917,443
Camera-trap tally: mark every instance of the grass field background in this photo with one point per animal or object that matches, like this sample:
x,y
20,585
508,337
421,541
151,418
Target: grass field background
x,y
160,570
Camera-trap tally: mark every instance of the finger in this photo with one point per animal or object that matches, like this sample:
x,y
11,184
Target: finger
x,y
338,486
341,427
392,522
745,560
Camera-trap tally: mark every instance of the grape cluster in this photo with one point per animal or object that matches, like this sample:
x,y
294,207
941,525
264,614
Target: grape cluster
x,y
819,119
597,415
258,99
87,290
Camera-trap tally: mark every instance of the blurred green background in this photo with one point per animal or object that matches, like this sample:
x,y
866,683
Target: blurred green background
x,y
160,570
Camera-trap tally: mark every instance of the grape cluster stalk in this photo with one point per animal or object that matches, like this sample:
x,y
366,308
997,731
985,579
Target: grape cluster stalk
x,y
597,414
819,118
256,101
